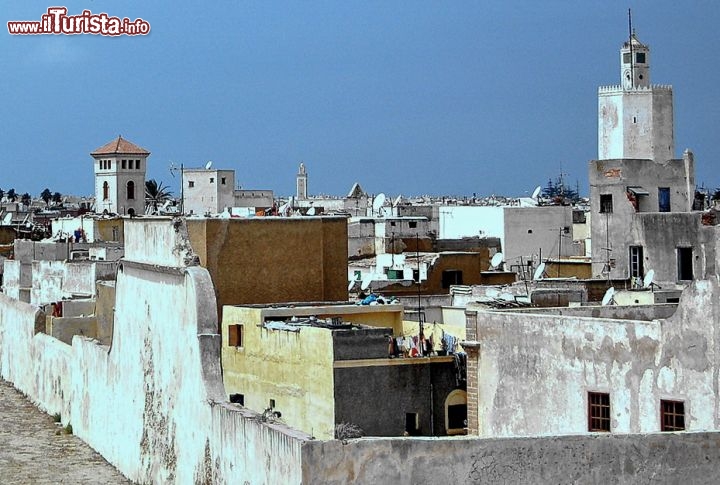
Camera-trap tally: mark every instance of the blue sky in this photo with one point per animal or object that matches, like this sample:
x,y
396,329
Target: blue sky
x,y
403,97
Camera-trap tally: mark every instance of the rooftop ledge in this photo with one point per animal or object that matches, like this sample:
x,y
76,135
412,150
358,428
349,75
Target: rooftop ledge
x,y
617,87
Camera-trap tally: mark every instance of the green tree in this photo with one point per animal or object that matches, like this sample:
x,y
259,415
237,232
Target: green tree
x,y
46,196
11,195
155,194
57,198
26,200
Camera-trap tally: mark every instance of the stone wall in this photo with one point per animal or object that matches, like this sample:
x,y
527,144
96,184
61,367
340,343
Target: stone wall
x,y
620,459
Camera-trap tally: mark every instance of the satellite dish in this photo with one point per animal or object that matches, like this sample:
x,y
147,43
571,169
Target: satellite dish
x,y
208,165
284,208
539,272
310,211
378,203
367,279
536,192
351,284
496,260
398,201
608,298
648,279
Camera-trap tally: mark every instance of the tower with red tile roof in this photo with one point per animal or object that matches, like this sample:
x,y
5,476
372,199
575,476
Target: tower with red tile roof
x,y
120,167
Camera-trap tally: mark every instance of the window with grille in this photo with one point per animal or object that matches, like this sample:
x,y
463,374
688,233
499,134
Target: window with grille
x,y
598,411
606,203
672,415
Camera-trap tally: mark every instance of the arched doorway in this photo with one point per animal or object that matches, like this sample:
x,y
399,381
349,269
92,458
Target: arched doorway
x,y
456,412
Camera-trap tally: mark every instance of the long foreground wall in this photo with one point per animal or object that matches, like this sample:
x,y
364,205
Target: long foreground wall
x,y
154,406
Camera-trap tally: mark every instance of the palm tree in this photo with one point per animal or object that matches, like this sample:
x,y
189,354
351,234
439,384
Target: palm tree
x,y
46,196
57,198
155,194
11,195
26,200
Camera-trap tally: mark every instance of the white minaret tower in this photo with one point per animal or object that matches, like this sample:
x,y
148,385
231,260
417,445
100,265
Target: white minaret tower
x,y
302,183
635,118
120,177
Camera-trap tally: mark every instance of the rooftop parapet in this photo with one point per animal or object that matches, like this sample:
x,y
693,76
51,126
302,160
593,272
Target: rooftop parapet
x,y
617,87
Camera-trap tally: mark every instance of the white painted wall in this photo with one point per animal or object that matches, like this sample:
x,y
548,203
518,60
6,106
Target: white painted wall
x,y
153,405
456,222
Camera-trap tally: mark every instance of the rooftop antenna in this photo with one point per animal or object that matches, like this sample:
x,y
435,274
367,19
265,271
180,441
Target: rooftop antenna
x,y
608,297
632,61
208,165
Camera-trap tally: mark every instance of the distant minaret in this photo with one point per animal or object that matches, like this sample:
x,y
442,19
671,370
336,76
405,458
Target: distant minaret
x,y
635,118
302,183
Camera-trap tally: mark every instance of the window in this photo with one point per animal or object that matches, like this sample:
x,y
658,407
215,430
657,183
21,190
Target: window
x,y
272,403
191,183
412,224
640,57
451,277
664,199
222,180
598,411
237,399
212,180
124,164
137,164
412,424
131,190
606,204
626,58
235,336
394,274
416,276
392,223
109,164
106,191
685,264
672,415
636,261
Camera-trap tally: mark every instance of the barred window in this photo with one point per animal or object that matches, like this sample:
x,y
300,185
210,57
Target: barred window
x,y
598,411
672,415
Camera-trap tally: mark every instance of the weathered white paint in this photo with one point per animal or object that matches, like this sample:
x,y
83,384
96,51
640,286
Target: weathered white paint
x,y
56,280
153,404
536,364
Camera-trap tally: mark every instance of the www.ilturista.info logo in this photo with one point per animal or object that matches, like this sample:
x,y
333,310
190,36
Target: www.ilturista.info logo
x,y
57,21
